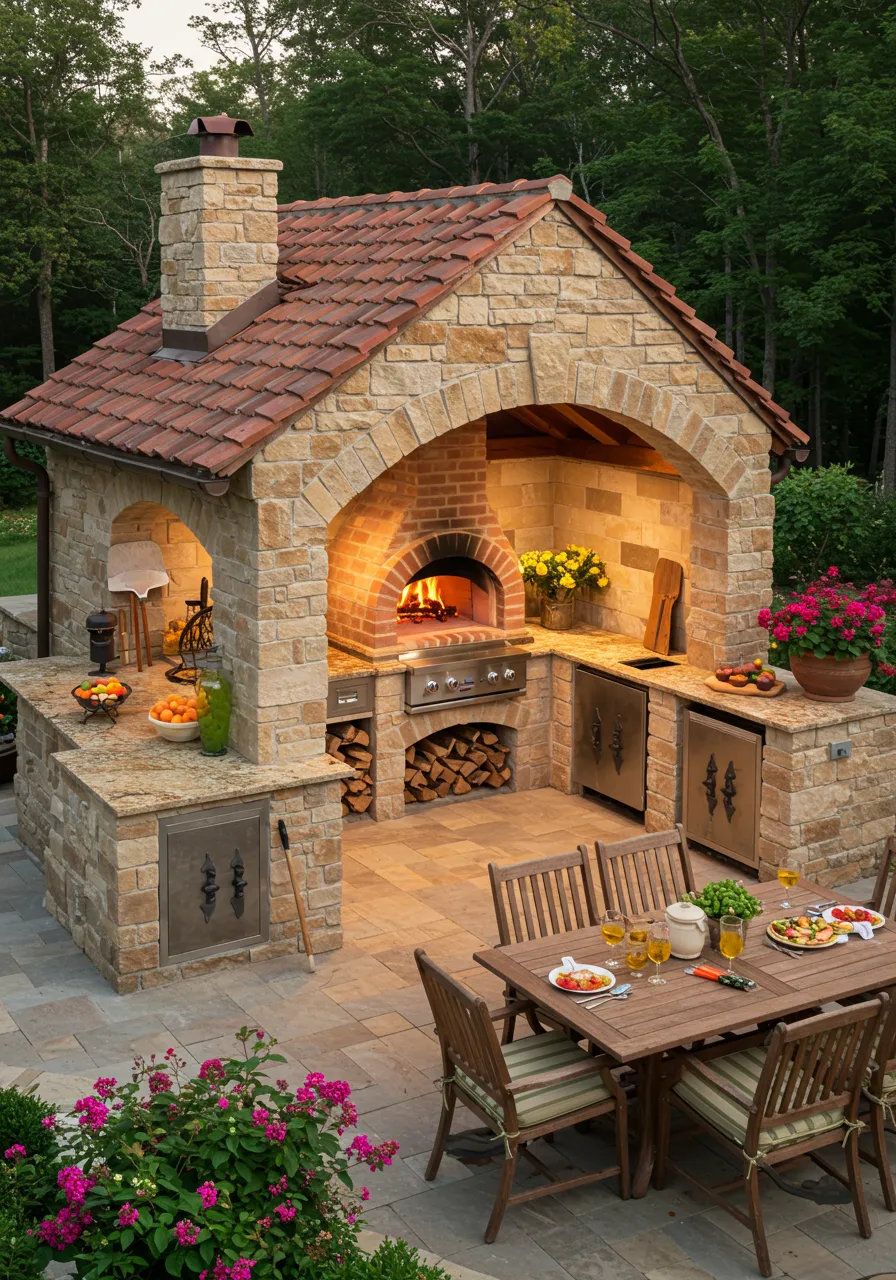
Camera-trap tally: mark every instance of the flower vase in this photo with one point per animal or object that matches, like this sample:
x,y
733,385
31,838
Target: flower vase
x,y
830,679
557,615
214,700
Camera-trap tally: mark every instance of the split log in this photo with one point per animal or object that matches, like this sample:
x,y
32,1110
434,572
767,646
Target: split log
x,y
348,743
454,762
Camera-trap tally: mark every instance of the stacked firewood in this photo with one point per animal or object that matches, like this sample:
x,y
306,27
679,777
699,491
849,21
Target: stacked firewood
x,y
351,744
454,761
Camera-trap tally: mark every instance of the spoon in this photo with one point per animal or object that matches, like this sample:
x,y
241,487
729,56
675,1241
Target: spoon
x,y
620,997
605,995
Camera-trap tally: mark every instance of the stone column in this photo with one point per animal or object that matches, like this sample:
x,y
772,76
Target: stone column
x,y
665,734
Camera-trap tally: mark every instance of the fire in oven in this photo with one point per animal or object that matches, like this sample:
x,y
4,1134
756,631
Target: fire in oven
x,y
480,674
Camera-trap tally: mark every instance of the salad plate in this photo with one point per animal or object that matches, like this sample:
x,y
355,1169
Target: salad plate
x,y
581,979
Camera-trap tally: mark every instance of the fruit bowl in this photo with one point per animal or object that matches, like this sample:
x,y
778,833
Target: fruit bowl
x,y
99,694
185,732
174,718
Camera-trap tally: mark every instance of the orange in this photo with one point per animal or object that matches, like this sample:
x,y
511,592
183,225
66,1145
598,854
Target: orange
x,y
177,719
191,702
190,713
167,715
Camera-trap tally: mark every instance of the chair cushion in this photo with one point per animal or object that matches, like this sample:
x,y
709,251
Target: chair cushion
x,y
743,1070
532,1056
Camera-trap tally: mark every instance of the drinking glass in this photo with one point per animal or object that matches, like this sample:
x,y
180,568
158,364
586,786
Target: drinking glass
x,y
788,876
636,951
612,928
659,949
731,938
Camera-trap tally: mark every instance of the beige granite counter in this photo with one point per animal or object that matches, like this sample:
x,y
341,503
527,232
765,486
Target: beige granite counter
x,y
127,765
792,711
342,664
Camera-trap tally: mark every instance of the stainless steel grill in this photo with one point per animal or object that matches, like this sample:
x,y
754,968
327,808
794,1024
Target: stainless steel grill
x,y
480,673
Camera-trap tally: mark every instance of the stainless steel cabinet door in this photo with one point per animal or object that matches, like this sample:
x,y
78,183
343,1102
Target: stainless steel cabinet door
x,y
722,780
213,881
610,737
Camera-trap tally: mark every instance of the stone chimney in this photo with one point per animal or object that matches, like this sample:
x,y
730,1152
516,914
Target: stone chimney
x,y
218,236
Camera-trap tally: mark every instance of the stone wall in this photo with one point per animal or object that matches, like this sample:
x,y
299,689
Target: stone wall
x,y
185,558
37,739
18,625
832,816
102,876
630,518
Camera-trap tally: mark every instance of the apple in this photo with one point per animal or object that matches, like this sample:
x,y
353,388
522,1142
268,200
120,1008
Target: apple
x,y
765,682
758,663
724,673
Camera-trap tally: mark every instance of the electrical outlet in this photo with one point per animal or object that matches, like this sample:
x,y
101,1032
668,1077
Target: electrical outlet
x,y
841,750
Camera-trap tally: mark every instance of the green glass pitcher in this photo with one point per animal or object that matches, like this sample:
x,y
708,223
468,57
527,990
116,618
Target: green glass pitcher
x,y
214,701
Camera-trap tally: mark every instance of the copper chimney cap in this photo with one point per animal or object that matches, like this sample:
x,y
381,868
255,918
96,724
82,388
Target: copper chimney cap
x,y
219,135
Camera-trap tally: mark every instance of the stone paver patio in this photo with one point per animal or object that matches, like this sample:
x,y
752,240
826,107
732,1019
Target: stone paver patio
x,y
363,1017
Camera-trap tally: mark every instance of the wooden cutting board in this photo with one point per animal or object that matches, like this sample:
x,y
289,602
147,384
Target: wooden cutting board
x,y
666,590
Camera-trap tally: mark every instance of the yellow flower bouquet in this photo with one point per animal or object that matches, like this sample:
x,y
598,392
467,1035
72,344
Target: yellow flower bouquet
x,y
560,574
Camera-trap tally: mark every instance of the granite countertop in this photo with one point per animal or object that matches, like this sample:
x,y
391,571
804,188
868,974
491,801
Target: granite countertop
x,y
791,711
344,665
128,766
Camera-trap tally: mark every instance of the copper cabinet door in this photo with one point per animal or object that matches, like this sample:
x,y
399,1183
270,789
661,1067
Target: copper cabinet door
x,y
610,737
722,779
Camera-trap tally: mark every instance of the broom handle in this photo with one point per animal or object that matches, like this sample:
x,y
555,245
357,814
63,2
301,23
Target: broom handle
x,y
300,906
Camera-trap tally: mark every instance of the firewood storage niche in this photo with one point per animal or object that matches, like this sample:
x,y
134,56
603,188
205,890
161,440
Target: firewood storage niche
x,y
458,762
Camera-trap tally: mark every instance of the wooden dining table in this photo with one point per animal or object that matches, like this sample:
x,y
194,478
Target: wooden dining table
x,y
639,1030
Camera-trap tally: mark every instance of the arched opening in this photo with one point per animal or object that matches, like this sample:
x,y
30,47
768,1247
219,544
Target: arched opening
x,y
186,562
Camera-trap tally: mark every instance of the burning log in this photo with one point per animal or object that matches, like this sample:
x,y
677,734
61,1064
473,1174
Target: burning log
x,y
422,602
454,762
349,743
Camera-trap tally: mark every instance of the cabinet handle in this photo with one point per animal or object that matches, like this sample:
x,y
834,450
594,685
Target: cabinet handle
x,y
709,783
729,791
210,888
616,744
596,728
238,901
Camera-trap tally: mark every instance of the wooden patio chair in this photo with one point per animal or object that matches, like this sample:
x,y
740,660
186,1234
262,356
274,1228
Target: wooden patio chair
x,y
773,1104
537,899
884,897
879,1090
643,874
521,1091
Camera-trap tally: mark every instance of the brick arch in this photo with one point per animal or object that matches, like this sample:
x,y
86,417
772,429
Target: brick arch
x,y
698,449
510,715
388,583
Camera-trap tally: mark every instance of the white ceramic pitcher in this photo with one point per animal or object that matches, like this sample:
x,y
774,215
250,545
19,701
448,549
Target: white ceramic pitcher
x,y
687,929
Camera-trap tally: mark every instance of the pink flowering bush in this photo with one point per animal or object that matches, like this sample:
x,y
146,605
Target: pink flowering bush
x,y
160,1179
829,617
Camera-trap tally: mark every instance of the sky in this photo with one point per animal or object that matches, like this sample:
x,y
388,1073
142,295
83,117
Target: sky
x,y
162,24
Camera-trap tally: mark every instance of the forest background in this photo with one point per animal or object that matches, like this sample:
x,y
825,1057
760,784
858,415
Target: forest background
x,y
746,147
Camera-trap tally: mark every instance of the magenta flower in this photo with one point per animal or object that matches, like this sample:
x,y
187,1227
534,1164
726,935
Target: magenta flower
x,y
365,1193
259,1034
242,1269
127,1216
276,1132
15,1153
208,1194
64,1229
49,1122
212,1069
159,1082
286,1212
74,1184
260,1116
278,1188
186,1232
223,1104
104,1086
264,1223
92,1113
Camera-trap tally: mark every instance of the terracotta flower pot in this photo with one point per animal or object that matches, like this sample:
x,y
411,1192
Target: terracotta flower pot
x,y
830,679
557,615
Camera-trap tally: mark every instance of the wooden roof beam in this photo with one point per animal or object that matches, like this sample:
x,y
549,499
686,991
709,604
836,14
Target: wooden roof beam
x,y
533,419
604,433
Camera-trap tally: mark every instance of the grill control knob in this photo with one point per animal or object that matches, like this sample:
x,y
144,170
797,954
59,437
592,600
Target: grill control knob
x,y
509,673
451,682
431,686
492,677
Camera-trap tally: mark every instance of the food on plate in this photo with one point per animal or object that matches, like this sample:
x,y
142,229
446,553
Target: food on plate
x,y
177,709
739,680
724,674
801,931
765,681
582,980
853,915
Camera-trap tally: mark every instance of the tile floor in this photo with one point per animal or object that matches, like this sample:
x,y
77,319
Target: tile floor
x,y
418,881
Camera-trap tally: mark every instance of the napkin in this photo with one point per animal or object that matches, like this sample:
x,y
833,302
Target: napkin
x,y
861,928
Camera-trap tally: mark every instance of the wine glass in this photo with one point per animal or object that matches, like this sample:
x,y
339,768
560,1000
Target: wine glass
x,y
788,876
731,937
636,951
659,949
612,928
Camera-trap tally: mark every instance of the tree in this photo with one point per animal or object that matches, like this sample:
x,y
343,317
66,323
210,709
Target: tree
x,y
70,86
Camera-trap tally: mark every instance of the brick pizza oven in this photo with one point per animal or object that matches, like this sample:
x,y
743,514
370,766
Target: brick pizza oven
x,y
354,414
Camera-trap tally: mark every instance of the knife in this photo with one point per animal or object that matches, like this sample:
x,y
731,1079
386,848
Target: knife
x,y
785,951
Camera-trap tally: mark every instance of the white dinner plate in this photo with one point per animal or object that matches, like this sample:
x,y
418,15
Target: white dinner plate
x,y
877,923
581,991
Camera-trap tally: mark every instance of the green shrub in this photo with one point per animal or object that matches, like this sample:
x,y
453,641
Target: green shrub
x,y
829,516
20,1256
20,1122
393,1260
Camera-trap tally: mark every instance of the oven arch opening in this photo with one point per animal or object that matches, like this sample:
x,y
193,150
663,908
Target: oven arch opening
x,y
451,590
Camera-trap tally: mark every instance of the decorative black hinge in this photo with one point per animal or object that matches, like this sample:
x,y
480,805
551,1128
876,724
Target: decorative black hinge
x,y
596,728
210,888
709,782
616,744
729,791
238,901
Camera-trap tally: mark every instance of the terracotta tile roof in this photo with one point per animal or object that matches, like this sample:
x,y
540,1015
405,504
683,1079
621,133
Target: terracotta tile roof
x,y
353,271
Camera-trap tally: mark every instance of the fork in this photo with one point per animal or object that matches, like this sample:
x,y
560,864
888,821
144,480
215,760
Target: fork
x,y
785,951
622,990
619,995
